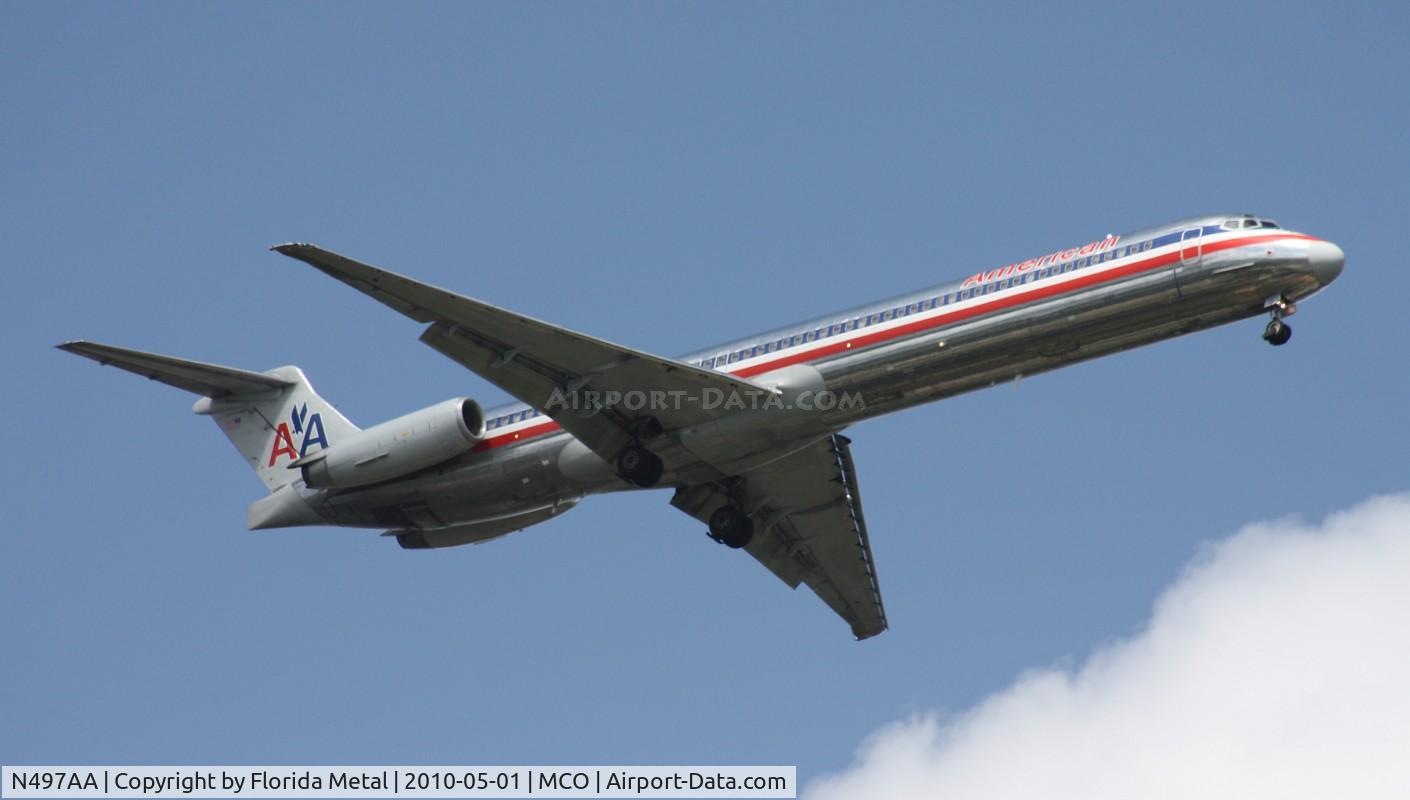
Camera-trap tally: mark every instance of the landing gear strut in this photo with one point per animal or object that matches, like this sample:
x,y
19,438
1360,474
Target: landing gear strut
x,y
640,466
731,527
1278,332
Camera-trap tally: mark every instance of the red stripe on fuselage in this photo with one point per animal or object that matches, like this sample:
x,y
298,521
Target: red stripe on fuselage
x,y
1036,292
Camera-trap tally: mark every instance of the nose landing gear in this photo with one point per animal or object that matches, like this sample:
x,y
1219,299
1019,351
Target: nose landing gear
x,y
1278,332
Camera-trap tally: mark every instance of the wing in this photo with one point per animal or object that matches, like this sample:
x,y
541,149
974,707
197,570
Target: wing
x,y
533,360
809,528
209,380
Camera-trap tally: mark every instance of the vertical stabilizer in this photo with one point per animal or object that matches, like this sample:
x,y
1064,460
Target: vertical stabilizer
x,y
273,429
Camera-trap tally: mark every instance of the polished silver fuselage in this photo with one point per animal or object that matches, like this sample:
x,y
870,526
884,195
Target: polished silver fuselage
x,y
994,326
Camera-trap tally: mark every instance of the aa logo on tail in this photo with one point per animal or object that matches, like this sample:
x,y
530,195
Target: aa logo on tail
x,y
308,426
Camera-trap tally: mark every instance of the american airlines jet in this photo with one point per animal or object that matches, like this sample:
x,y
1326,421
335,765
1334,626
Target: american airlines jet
x,y
746,435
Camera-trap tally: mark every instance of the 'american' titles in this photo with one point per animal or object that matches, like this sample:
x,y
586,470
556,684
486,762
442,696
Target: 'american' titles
x,y
1037,263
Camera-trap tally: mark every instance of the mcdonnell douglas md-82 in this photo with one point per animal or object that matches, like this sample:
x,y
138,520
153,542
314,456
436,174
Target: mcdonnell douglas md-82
x,y
747,435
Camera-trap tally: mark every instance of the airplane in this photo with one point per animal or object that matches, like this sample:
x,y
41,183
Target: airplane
x,y
748,434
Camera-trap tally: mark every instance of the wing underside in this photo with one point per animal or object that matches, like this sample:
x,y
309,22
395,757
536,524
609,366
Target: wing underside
x,y
809,527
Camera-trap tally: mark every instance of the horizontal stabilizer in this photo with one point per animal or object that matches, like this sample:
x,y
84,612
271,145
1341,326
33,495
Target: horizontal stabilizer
x,y
204,379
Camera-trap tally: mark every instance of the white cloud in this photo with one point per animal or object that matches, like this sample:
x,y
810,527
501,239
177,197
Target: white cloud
x,y
1277,666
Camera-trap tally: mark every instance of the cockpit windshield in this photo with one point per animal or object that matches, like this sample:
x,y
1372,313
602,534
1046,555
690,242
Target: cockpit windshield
x,y
1247,222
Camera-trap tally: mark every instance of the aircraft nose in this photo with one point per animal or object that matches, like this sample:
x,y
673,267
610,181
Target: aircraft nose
x,y
1325,260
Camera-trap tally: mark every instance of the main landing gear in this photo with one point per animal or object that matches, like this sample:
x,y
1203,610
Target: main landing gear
x,y
635,463
640,466
1278,332
731,527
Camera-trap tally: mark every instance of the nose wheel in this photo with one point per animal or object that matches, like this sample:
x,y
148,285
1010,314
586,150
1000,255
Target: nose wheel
x,y
1278,332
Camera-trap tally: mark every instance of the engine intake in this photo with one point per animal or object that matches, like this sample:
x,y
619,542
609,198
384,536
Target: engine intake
x,y
398,447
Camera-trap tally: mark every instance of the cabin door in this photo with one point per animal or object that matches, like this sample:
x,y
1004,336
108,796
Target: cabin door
x,y
1191,251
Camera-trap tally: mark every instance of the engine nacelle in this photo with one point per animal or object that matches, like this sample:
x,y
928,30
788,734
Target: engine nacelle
x,y
400,447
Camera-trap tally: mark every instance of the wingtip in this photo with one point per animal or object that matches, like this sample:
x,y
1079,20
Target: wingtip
x,y
288,248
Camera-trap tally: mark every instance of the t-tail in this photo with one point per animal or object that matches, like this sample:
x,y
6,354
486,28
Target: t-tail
x,y
273,418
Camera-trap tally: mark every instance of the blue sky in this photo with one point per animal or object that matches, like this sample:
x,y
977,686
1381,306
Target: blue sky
x,y
665,176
